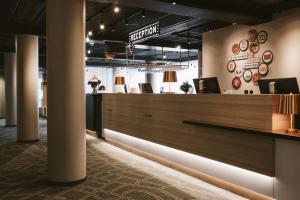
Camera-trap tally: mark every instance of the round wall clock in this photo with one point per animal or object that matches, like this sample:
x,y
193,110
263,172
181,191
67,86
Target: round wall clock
x,y
252,34
267,57
263,69
244,44
236,83
255,78
235,49
231,66
239,71
247,75
254,47
262,37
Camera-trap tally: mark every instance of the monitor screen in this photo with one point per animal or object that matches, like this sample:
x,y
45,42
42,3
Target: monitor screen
x,y
145,88
281,86
207,85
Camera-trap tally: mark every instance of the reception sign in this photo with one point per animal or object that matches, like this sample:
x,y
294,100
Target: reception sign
x,y
145,33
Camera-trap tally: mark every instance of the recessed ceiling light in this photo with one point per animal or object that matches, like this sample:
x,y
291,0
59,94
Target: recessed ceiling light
x,y
90,33
89,51
174,3
116,9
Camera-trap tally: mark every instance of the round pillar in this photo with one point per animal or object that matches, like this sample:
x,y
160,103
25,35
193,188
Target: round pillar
x,y
10,88
27,88
66,95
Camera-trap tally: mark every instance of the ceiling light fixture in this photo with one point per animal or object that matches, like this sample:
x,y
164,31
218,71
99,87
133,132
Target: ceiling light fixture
x,y
178,47
174,3
90,33
144,13
87,39
116,9
89,51
102,26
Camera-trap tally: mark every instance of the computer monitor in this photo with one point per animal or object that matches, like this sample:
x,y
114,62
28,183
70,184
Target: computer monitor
x,y
281,86
207,85
145,88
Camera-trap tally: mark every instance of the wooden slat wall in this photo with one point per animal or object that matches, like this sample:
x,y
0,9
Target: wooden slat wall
x,y
158,118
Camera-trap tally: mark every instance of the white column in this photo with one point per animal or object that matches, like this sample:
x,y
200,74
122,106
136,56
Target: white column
x,y
10,68
27,83
66,95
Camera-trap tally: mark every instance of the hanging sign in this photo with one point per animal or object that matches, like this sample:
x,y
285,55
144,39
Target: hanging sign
x,y
142,34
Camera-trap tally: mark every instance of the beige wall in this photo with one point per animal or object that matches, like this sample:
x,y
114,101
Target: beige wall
x,y
2,93
283,41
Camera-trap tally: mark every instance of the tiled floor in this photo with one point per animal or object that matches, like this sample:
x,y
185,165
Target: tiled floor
x,y
112,174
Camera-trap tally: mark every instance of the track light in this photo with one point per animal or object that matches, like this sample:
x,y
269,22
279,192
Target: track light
x,y
144,13
116,9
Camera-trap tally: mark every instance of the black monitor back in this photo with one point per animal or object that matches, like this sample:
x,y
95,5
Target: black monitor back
x,y
282,86
211,85
145,88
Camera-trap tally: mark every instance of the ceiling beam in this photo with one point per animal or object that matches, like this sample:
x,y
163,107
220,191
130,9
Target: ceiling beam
x,y
195,10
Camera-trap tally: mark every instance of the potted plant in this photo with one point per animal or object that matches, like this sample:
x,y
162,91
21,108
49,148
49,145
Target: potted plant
x,y
94,82
101,88
185,87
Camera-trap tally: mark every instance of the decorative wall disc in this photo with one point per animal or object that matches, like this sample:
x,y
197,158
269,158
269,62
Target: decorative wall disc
x,y
267,57
262,37
236,83
263,69
239,71
255,78
247,75
235,49
231,66
244,44
254,47
252,34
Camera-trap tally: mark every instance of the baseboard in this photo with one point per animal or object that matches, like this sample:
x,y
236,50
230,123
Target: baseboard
x,y
249,194
91,133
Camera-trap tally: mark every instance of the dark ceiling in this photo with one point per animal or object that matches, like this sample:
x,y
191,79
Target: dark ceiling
x,y
181,24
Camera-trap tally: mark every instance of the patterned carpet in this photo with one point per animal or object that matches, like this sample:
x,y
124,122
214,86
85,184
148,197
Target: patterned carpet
x,y
112,174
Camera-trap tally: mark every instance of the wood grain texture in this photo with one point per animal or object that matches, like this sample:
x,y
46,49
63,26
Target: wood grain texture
x,y
159,118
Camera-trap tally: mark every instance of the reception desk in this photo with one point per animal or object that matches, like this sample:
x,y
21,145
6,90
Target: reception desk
x,y
237,130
